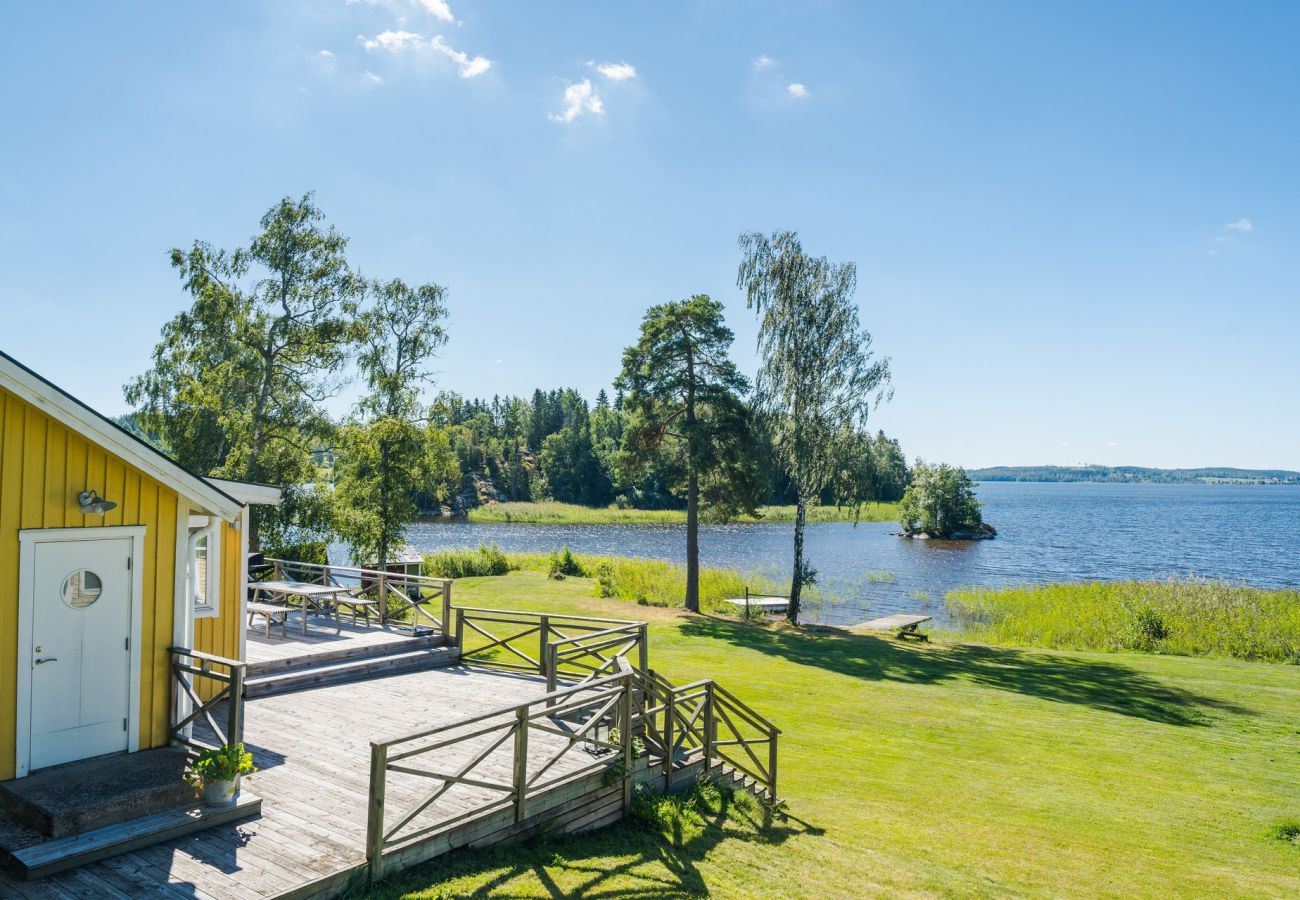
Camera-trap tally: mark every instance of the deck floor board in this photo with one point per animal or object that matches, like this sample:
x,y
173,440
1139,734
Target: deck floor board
x,y
312,749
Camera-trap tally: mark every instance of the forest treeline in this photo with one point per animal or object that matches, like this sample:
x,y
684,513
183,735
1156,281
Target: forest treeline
x,y
555,445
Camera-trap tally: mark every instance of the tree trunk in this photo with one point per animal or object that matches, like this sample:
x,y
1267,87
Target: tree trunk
x,y
796,582
693,542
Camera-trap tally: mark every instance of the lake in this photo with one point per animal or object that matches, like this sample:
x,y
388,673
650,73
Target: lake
x,y
1046,532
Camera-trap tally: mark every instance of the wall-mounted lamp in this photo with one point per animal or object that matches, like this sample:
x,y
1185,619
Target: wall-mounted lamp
x,y
93,504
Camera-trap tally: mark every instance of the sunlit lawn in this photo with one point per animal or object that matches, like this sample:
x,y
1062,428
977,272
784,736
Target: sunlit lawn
x,y
915,770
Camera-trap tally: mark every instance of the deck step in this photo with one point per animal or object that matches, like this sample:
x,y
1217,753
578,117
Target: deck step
x,y
350,669
56,855
350,650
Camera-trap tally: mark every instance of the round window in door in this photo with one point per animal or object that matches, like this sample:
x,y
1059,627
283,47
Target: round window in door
x,y
82,588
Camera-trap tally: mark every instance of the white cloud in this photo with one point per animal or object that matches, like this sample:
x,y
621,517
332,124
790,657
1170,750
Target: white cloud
x,y
1242,224
469,68
438,9
579,99
797,90
370,77
764,62
392,41
617,71
325,54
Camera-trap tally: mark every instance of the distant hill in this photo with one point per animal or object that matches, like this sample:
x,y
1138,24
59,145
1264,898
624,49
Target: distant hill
x,y
1135,475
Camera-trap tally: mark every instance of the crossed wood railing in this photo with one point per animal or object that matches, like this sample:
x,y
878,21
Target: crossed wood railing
x,y
702,720
194,674
675,726
413,594
554,646
584,714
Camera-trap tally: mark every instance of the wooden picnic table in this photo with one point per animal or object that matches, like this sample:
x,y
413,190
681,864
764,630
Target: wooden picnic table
x,y
309,597
902,624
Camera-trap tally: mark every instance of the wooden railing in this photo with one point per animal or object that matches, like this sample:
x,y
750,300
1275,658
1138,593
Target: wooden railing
x,y
192,669
682,724
522,641
583,714
587,657
414,594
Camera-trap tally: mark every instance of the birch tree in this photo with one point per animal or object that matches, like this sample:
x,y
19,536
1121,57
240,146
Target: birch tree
x,y
818,378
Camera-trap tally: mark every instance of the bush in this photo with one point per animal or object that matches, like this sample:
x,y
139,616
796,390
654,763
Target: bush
x,y
486,560
679,817
940,500
564,564
316,552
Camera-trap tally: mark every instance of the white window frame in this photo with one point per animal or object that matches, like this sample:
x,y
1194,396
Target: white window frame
x,y
199,528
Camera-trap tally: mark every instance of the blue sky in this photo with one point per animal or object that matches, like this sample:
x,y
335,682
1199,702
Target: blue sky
x,y
1076,225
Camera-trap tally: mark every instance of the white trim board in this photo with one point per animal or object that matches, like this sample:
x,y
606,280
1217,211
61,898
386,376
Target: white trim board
x,y
27,541
62,406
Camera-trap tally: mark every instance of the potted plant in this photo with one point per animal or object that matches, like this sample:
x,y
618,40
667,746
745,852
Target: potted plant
x,y
217,773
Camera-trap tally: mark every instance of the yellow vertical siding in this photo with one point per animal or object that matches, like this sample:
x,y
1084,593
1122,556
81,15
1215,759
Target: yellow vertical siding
x,y
43,466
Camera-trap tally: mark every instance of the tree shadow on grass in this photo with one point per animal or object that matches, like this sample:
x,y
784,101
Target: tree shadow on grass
x,y
625,861
1104,685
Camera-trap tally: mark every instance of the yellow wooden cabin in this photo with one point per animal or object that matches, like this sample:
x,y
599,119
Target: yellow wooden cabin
x,y
110,554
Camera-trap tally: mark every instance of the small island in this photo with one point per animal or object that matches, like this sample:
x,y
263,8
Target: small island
x,y
940,503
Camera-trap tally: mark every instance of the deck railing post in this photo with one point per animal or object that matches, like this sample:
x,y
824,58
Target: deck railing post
x,y
669,714
521,761
235,706
279,570
643,650
625,732
771,763
710,727
383,598
549,665
544,639
446,608
375,814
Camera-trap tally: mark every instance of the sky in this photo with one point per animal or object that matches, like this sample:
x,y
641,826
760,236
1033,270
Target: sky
x,y
1076,226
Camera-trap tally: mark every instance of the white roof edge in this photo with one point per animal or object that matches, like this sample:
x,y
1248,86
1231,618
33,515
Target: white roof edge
x,y
65,408
248,492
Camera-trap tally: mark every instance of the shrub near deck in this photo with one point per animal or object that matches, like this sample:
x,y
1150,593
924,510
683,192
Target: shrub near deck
x,y
943,770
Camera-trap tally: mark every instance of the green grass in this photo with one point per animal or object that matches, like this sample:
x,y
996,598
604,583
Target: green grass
x,y
1188,618
552,513
943,770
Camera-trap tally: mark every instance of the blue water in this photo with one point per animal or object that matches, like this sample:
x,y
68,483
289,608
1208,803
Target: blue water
x,y
1046,532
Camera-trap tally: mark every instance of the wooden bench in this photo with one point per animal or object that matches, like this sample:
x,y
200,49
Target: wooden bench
x,y
903,625
356,604
269,612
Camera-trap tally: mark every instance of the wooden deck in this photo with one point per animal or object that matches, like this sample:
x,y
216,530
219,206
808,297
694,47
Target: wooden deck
x,y
312,750
322,635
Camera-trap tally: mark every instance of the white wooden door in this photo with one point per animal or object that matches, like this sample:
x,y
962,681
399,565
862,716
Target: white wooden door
x,y
81,659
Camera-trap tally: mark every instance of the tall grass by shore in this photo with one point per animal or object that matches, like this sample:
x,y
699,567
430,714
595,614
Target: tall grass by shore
x,y
649,582
552,513
1189,618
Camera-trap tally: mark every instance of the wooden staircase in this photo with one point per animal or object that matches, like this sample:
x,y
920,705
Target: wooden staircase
x,y
348,664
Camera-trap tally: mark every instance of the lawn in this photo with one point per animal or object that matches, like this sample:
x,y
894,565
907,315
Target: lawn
x,y
552,513
945,770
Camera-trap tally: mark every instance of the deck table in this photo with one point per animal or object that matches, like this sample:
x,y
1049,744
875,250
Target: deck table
x,y
306,596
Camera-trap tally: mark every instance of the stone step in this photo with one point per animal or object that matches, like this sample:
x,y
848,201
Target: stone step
x,y
59,854
315,658
350,669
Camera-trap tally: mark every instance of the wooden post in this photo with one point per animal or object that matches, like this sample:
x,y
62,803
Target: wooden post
x,y
383,598
710,728
325,575
625,732
375,815
669,712
643,651
279,573
460,631
549,666
544,638
446,608
771,763
521,761
235,706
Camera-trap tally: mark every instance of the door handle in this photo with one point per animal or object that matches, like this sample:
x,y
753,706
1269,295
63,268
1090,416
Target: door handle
x,y
46,659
